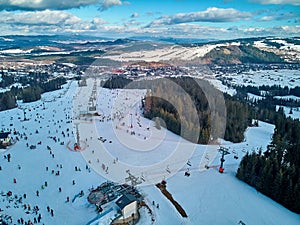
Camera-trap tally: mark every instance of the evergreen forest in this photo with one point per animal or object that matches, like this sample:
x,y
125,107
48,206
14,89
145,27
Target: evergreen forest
x,y
28,93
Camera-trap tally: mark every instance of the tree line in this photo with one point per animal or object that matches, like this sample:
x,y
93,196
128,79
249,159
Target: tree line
x,y
230,55
276,172
238,115
116,82
274,90
8,99
195,122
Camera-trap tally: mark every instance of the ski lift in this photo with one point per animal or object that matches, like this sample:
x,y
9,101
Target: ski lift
x,y
187,173
77,147
168,169
142,177
221,169
206,156
189,163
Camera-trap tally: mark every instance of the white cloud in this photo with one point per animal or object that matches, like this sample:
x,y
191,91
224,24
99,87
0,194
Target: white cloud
x,y
278,31
277,2
43,4
32,5
266,18
131,23
42,22
279,16
105,4
97,23
200,31
39,18
212,14
60,22
134,15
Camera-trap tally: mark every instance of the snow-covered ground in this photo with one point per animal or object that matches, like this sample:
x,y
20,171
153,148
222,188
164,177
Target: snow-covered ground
x,y
288,97
295,112
283,77
223,88
15,51
33,163
167,53
289,51
207,196
254,97
115,147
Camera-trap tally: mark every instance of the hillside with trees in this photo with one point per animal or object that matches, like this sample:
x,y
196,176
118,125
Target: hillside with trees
x,y
276,172
194,120
29,93
233,54
7,101
238,116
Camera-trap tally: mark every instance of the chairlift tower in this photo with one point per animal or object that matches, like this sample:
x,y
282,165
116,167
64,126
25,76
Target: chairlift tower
x,y
131,125
134,180
77,144
224,151
24,115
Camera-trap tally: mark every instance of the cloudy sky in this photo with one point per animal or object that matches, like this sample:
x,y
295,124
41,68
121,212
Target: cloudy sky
x,y
219,19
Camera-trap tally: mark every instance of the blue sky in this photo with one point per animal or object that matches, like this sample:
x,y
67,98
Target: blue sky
x,y
220,19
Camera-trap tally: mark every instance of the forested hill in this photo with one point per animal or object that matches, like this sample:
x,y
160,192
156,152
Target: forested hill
x,y
167,102
30,93
276,172
241,54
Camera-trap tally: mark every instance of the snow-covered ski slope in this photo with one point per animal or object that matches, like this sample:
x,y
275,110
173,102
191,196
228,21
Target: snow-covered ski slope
x,y
32,175
207,196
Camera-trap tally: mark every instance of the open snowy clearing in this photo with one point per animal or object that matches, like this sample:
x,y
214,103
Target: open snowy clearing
x,y
284,77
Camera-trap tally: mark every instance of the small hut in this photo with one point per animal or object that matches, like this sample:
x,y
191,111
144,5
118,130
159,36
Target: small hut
x,y
5,139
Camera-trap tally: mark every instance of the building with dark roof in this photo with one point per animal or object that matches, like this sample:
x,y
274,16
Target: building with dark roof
x,y
128,206
5,138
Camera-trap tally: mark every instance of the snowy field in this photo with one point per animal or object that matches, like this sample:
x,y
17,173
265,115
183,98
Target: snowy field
x,y
167,53
284,77
61,119
295,112
286,50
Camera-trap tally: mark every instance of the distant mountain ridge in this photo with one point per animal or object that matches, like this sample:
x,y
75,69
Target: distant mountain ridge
x,y
167,49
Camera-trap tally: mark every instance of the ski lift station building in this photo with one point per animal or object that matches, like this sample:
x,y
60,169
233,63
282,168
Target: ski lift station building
x,y
128,206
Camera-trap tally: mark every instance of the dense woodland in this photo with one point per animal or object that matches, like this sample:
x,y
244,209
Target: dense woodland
x,y
31,92
178,115
238,118
266,90
230,55
276,172
7,101
168,102
116,82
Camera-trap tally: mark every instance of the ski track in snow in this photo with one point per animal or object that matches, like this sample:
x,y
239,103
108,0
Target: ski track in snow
x,y
207,196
